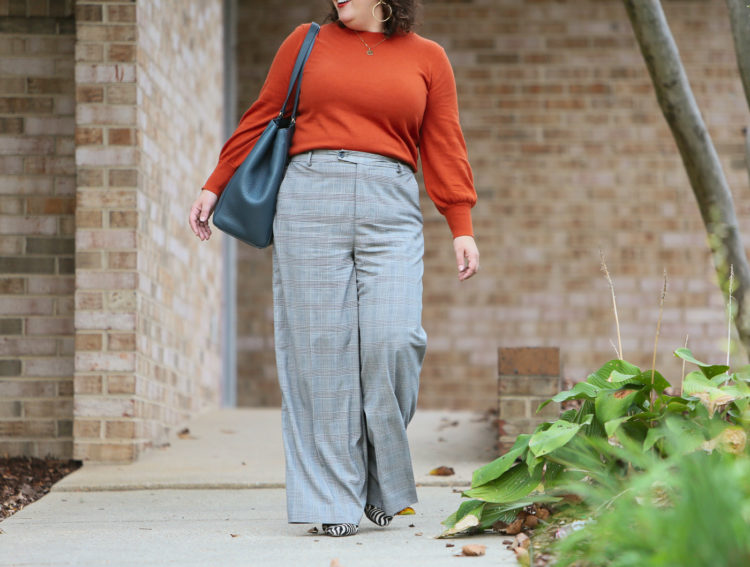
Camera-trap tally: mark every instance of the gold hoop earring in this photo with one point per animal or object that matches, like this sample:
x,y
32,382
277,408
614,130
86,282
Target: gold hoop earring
x,y
390,11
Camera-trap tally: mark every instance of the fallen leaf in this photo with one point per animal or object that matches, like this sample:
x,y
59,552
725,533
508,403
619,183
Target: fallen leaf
x,y
473,550
450,545
442,471
235,535
184,434
408,511
522,540
445,422
515,527
531,521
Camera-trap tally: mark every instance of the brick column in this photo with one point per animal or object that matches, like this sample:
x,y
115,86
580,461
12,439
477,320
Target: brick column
x,y
527,377
37,201
106,247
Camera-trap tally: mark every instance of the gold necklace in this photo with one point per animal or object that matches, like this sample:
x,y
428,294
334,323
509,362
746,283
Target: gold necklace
x,y
369,49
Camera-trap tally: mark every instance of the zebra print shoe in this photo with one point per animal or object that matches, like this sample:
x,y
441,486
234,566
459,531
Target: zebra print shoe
x,y
340,530
377,516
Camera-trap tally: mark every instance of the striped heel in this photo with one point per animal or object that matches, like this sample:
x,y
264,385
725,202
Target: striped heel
x,y
377,516
340,530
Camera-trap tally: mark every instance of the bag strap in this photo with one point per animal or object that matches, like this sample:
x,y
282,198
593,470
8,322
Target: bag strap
x,y
299,67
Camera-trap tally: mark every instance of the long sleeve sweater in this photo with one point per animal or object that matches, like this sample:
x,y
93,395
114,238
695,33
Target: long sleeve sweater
x,y
399,102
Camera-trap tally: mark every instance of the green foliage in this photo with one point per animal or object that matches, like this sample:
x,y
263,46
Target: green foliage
x,y
625,424
690,510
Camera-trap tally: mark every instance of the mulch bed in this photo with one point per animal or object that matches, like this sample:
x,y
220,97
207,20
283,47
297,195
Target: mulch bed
x,y
24,480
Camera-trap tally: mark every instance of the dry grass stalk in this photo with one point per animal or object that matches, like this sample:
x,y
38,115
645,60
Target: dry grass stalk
x,y
614,304
729,312
683,367
656,338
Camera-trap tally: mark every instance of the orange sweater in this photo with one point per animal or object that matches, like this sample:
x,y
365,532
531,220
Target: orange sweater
x,y
397,102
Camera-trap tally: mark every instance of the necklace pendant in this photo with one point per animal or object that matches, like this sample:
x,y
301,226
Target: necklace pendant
x,y
370,52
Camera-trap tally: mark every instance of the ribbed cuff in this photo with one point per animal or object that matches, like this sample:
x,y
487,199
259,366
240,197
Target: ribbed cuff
x,y
459,220
219,178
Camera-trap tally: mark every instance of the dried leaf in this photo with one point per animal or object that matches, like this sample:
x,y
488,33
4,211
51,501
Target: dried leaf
x,y
522,540
442,471
531,521
446,545
408,511
184,434
473,550
235,535
515,527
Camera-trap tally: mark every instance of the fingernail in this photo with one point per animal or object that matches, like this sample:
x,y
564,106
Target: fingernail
x,y
203,219
461,268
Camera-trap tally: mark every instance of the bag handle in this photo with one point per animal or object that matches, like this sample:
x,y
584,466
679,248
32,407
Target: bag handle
x,y
299,67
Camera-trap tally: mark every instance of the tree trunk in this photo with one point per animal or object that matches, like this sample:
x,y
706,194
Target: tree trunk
x,y
739,16
697,150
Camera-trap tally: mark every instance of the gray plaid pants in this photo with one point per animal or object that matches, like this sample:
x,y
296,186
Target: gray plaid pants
x,y
347,283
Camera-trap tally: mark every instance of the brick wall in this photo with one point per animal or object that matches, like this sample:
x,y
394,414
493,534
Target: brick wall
x,y
148,78
180,109
571,156
37,201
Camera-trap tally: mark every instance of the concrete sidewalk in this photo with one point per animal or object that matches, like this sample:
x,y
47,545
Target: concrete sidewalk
x,y
217,498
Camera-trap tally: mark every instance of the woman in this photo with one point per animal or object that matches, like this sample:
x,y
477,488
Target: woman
x,y
348,247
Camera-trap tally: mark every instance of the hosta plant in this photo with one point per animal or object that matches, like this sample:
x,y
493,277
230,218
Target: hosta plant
x,y
620,405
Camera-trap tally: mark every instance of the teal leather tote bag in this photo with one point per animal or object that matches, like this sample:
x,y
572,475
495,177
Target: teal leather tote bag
x,y
247,205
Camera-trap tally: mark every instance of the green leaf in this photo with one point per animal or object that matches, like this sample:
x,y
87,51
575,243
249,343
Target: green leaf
x,y
708,370
466,518
698,386
653,435
558,434
601,378
613,424
532,462
687,355
496,468
613,404
512,485
464,509
660,383
618,377
569,415
579,391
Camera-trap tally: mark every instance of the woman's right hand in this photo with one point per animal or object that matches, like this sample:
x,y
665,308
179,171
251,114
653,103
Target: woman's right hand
x,y
200,212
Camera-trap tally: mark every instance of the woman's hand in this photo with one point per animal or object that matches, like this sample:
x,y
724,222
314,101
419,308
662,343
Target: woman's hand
x,y
467,256
199,213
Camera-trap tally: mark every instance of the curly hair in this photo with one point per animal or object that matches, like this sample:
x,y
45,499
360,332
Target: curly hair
x,y
403,19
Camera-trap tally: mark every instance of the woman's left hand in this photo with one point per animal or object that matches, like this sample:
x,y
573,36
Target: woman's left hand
x,y
467,256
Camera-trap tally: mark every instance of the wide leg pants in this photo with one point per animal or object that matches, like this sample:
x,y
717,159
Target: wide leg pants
x,y
347,282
